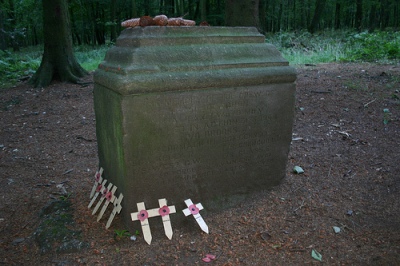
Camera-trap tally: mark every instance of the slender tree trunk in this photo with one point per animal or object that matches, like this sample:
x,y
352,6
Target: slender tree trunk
x,y
3,44
279,24
113,33
242,13
203,10
359,14
58,60
337,15
262,8
319,8
181,8
294,23
134,9
372,17
384,14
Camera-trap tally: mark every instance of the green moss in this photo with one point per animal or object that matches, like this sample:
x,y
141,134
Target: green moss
x,y
57,230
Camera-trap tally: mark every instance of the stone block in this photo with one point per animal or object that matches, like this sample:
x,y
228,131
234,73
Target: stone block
x,y
193,112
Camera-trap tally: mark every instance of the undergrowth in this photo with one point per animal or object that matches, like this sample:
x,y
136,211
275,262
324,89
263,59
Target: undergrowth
x,y
20,66
329,46
300,47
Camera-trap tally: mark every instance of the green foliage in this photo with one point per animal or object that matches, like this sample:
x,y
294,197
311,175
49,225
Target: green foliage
x,y
22,65
90,57
302,47
329,46
121,233
377,46
17,66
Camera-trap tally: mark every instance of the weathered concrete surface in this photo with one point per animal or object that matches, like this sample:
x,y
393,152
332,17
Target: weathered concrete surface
x,y
193,112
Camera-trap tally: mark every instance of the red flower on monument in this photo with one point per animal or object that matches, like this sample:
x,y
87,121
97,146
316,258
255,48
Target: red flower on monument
x,y
143,215
193,209
109,196
99,188
104,193
164,210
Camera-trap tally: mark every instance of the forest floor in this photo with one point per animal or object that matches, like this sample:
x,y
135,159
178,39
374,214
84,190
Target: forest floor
x,y
347,145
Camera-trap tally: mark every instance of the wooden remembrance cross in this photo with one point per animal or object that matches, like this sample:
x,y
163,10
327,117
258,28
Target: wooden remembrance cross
x,y
143,215
195,209
107,194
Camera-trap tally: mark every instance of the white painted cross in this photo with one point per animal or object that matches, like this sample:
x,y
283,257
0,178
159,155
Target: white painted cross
x,y
97,180
165,211
117,209
110,197
99,189
142,215
104,192
194,209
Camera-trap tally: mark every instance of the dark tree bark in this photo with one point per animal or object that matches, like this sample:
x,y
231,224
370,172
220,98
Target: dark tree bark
x,y
262,9
3,44
203,10
242,13
280,11
359,14
58,60
337,15
384,14
113,15
319,8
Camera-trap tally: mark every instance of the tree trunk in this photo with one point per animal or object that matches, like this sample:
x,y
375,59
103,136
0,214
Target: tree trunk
x,y
3,44
203,10
359,15
242,13
113,27
262,9
279,24
319,8
134,9
337,15
372,17
58,60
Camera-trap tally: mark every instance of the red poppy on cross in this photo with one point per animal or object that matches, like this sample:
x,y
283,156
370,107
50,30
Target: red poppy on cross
x,y
97,180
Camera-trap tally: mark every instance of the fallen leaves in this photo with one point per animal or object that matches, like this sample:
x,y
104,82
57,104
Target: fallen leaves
x,y
209,258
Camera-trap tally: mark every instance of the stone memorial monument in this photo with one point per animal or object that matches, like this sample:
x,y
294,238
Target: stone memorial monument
x,y
193,112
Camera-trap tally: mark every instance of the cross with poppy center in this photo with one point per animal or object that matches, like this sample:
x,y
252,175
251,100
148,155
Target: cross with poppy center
x,y
142,215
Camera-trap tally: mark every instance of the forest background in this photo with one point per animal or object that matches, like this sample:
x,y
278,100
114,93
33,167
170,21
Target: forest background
x,y
305,31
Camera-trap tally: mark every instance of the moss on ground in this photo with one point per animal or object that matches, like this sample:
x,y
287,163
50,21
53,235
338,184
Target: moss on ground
x,y
57,230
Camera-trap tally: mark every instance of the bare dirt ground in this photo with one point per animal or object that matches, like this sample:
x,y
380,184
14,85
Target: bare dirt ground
x,y
345,142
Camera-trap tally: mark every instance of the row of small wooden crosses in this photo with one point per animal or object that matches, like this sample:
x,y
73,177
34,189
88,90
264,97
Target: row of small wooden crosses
x,y
160,20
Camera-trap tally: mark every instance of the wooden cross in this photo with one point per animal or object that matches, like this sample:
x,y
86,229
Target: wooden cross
x,y
142,215
195,209
97,180
165,211
110,197
117,209
98,190
104,192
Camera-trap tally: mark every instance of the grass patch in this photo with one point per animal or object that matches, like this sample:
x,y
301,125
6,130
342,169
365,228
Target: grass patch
x,y
18,66
90,57
331,46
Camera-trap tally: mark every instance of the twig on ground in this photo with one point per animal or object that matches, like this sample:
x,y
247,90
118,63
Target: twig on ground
x,y
301,206
368,103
